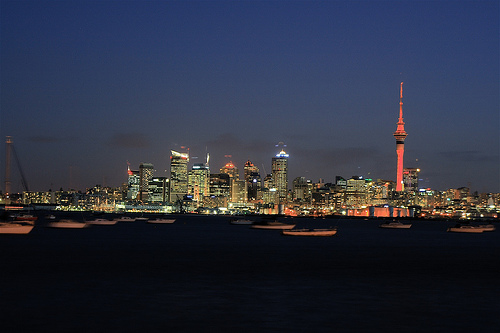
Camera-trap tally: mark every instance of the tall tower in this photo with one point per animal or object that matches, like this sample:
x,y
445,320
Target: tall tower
x,y
280,175
400,136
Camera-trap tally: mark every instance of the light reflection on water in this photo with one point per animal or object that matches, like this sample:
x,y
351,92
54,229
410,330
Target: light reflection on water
x,y
202,273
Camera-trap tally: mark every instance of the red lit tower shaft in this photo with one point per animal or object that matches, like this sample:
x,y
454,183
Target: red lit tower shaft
x,y
400,136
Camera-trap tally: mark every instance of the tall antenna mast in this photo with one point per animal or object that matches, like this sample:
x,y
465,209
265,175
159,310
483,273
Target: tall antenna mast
x,y
8,149
401,105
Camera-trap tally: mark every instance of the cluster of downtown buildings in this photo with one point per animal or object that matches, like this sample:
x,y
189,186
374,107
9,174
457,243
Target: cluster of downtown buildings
x,y
197,189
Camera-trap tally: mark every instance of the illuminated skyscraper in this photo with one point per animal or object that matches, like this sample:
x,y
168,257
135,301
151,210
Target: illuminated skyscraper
x,y
410,179
356,191
178,175
238,191
146,171
280,175
301,189
249,168
400,136
133,184
198,180
220,190
268,191
252,181
231,170
158,189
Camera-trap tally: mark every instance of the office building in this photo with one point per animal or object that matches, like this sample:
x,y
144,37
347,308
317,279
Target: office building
x,y
178,175
198,182
158,189
133,182
252,181
231,170
280,175
410,179
220,190
300,189
146,171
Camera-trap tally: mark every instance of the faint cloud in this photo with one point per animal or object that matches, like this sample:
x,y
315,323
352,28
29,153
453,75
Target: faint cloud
x,y
129,140
44,139
340,156
468,156
232,144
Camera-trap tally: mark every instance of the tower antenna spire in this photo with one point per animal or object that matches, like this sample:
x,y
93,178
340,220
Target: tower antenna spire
x,y
401,104
8,149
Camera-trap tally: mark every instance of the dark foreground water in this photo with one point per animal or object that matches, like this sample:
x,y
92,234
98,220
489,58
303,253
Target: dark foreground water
x,y
202,274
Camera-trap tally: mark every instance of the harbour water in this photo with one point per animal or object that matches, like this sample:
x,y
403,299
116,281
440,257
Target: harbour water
x,y
203,274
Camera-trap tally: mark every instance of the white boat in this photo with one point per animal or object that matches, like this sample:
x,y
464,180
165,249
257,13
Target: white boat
x,y
102,222
467,228
67,224
241,221
395,225
124,219
275,225
18,227
487,227
161,220
310,232
141,219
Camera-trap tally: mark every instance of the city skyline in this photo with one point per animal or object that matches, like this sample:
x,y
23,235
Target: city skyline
x,y
88,86
187,167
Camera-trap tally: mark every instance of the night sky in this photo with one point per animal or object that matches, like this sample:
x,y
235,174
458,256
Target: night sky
x,y
87,86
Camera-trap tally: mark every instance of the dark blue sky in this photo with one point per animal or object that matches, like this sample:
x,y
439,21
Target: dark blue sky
x,y
88,85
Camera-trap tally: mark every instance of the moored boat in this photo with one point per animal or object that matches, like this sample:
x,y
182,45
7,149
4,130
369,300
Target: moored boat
x,y
241,221
67,224
487,227
124,219
310,232
466,228
395,225
274,225
17,227
102,222
161,220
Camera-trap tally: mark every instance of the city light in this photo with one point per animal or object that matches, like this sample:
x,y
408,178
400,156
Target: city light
x,y
282,154
200,190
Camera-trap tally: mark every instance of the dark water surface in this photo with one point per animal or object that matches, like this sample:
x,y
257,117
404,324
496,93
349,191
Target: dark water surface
x,y
202,274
